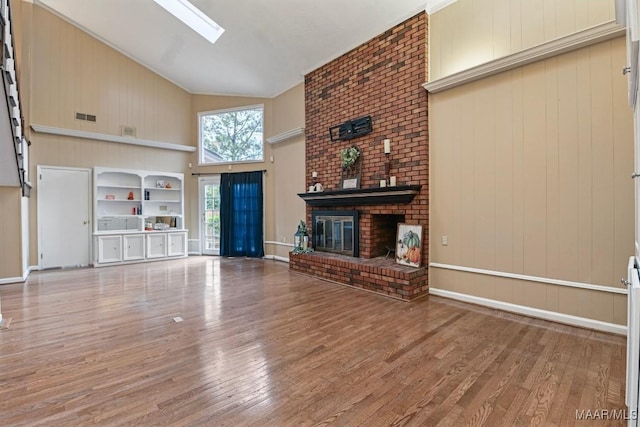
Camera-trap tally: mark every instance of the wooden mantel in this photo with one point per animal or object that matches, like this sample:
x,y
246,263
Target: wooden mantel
x,y
362,196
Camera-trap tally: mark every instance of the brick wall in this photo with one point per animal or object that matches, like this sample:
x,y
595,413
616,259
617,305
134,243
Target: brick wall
x,y
383,79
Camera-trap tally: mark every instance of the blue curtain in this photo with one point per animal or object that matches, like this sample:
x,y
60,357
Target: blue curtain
x,y
241,214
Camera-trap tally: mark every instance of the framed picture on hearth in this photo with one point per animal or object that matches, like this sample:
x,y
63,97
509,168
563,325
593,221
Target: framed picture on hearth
x,y
409,245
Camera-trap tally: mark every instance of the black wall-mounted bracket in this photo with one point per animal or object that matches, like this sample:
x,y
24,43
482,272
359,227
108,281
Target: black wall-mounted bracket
x,y
351,129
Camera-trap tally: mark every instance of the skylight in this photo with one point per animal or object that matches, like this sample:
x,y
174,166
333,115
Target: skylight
x,y
193,17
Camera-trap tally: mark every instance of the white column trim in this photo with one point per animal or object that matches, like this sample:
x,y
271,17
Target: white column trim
x,y
546,280
533,312
111,138
578,40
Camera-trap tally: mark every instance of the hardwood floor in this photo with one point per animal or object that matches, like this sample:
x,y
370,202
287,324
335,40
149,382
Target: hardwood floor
x,y
260,345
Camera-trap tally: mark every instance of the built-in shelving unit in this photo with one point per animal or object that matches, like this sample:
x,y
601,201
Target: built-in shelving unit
x,y
138,216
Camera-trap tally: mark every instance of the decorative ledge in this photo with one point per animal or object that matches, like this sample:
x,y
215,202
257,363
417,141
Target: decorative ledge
x,y
111,138
285,135
401,194
584,38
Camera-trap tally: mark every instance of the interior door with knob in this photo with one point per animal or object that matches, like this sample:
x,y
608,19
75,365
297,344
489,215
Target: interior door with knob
x,y
64,211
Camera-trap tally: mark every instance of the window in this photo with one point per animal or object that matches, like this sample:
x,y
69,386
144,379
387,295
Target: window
x,y
231,136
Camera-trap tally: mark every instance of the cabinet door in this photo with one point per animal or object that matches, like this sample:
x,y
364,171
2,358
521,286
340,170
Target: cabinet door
x,y
133,247
156,245
109,249
177,244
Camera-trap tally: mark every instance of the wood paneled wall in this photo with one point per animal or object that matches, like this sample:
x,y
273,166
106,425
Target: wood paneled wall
x,y
72,71
530,175
471,32
10,233
64,71
289,169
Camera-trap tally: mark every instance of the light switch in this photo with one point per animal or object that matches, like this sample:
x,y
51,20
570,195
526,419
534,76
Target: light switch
x,y
444,240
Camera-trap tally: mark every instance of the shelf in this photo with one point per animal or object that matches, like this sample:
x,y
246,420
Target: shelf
x,y
128,187
400,194
116,216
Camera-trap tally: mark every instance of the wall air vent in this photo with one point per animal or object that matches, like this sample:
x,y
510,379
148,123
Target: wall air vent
x,y
86,117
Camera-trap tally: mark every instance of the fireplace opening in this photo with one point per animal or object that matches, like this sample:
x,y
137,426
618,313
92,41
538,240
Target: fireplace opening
x,y
384,233
335,231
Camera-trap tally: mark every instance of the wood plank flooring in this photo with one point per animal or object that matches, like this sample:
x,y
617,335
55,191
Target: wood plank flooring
x,y
263,346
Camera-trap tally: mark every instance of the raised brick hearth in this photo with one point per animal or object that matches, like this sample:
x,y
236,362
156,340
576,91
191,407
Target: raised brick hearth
x,y
382,79
378,275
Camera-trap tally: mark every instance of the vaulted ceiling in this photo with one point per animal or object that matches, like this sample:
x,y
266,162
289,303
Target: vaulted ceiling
x,y
267,47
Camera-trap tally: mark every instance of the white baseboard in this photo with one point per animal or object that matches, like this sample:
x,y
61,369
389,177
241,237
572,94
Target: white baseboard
x,y
22,279
277,258
534,312
196,253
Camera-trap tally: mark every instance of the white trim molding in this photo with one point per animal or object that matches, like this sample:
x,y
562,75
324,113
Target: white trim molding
x,y
285,135
273,242
276,258
111,138
578,40
545,280
435,5
22,279
533,312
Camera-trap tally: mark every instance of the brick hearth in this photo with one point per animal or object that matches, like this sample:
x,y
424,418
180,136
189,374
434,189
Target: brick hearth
x,y
379,275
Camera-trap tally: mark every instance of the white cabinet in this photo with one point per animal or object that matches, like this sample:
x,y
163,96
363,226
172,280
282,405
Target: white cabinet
x,y
157,245
109,249
138,215
177,244
132,247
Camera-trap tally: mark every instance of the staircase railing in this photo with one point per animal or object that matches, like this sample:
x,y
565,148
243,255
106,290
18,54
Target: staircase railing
x,y
11,86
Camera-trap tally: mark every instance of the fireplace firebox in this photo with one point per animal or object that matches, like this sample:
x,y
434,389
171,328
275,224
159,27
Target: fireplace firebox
x,y
335,231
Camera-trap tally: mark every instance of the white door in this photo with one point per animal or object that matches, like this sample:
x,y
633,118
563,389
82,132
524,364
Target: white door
x,y
64,231
210,215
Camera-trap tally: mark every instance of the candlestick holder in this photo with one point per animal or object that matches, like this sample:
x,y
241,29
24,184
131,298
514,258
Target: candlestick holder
x,y
387,167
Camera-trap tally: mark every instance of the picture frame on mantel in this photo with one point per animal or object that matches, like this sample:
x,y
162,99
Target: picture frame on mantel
x,y
349,183
409,245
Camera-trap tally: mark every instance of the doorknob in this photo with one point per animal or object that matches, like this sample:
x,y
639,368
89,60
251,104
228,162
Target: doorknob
x,y
85,222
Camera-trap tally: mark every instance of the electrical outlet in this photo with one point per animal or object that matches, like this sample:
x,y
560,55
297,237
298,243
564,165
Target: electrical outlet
x,y
444,240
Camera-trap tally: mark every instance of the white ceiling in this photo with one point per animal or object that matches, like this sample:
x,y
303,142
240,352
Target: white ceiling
x,y
267,47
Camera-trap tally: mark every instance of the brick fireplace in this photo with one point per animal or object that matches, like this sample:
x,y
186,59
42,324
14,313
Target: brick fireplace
x,y
383,79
